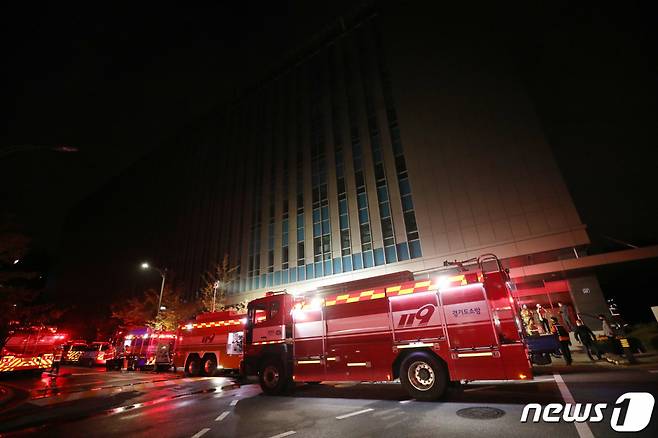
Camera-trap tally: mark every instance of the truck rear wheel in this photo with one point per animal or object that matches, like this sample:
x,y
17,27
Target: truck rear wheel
x,y
209,366
423,376
192,368
273,377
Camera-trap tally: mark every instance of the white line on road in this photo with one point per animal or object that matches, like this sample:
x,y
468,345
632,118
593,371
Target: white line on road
x,y
582,428
281,435
235,402
222,415
479,388
406,401
340,417
201,432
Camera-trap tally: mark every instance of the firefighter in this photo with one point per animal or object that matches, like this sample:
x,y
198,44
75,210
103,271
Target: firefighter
x,y
57,359
565,313
563,337
585,336
606,327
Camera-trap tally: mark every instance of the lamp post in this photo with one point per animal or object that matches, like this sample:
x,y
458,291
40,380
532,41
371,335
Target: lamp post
x,y
163,274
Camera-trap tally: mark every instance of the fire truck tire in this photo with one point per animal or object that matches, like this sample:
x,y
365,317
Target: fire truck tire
x,y
209,366
423,376
273,377
192,367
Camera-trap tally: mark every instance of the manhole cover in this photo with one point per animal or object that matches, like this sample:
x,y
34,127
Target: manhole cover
x,y
481,413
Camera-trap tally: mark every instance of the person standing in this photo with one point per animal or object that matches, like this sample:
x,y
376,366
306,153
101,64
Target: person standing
x,y
57,359
542,318
606,327
585,336
565,313
563,337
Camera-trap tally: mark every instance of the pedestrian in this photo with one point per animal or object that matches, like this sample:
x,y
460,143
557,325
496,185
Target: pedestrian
x,y
563,337
586,337
565,313
57,359
606,327
542,318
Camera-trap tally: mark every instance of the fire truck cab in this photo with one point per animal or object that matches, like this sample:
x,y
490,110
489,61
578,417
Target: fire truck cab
x,y
427,333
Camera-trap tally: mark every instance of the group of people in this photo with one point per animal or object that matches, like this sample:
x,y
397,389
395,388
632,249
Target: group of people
x,y
541,321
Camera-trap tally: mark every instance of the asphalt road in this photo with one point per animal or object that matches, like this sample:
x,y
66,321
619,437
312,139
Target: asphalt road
x,y
91,402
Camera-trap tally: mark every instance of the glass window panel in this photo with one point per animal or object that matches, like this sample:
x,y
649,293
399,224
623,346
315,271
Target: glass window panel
x,y
337,265
368,261
318,269
403,251
285,276
379,171
400,164
300,234
316,215
317,229
300,220
277,278
327,267
325,213
389,241
414,249
344,223
326,243
345,238
342,206
293,275
405,187
379,256
362,200
391,256
412,236
309,271
263,280
382,193
387,228
326,229
363,215
384,210
300,250
357,261
301,273
358,176
410,221
347,264
407,203
365,233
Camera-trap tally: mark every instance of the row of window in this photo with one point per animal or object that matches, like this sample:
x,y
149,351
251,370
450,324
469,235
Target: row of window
x,y
329,267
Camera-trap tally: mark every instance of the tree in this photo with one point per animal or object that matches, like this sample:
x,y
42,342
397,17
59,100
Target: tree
x,y
142,310
221,276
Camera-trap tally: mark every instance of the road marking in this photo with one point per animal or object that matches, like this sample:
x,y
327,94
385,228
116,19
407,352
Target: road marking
x,y
201,432
222,416
281,435
235,402
340,417
406,401
582,428
479,388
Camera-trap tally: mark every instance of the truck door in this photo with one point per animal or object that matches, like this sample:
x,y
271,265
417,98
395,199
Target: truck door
x,y
309,336
472,338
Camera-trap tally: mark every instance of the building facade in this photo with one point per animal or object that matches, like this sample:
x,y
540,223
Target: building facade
x,y
390,144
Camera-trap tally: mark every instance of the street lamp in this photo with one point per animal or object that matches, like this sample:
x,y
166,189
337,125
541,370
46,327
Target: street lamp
x,y
163,274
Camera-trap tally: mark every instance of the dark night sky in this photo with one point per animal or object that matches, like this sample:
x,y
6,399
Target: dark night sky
x,y
118,82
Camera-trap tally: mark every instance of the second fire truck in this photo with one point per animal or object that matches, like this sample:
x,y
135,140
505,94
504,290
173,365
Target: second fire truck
x,y
211,343
426,333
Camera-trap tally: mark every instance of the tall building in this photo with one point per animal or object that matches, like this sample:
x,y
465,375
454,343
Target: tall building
x,y
389,144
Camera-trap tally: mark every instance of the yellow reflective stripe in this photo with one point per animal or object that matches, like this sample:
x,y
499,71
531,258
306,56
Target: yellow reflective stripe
x,y
423,283
393,288
329,303
379,295
342,297
406,291
352,300
367,293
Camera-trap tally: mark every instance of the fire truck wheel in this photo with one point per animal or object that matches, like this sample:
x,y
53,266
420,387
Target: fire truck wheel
x,y
192,368
273,378
209,366
423,376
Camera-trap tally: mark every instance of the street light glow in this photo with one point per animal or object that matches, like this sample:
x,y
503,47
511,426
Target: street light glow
x,y
16,261
145,265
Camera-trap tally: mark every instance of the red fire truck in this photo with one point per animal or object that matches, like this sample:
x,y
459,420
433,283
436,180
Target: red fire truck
x,y
427,333
30,349
212,342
